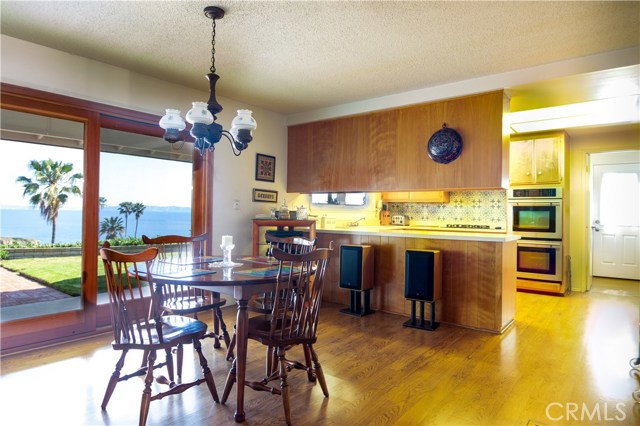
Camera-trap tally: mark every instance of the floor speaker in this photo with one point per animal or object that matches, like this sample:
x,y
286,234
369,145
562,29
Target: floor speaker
x,y
356,275
423,283
423,275
356,267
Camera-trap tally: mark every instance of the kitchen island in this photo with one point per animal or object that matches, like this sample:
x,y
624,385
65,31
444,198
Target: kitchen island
x,y
478,272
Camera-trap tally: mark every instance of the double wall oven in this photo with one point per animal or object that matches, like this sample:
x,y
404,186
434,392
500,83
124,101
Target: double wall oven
x,y
536,215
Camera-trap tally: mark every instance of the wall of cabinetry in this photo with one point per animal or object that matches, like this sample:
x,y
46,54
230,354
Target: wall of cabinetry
x,y
387,150
542,160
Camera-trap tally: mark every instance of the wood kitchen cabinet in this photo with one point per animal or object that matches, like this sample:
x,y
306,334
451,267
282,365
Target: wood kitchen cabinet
x,y
384,150
416,197
536,160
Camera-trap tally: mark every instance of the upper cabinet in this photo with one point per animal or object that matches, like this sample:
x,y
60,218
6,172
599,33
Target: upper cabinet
x,y
536,160
386,151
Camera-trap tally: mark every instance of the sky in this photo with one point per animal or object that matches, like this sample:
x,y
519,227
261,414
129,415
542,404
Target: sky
x,y
152,182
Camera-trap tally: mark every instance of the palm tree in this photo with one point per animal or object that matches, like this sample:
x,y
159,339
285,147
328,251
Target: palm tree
x,y
102,202
49,188
111,227
125,208
137,209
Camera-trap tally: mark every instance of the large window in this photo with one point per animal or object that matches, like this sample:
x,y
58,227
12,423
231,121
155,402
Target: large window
x,y
143,191
119,157
41,209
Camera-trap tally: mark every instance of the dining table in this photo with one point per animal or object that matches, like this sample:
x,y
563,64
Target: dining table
x,y
247,277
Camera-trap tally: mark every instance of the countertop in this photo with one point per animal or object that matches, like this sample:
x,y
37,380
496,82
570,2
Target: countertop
x,y
422,232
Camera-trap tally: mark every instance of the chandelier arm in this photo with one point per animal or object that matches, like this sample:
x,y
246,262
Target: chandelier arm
x,y
232,142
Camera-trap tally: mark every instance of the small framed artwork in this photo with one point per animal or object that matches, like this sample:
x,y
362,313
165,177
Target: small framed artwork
x,y
265,196
265,168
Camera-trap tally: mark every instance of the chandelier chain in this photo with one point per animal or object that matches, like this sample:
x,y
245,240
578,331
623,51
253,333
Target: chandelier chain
x,y
213,48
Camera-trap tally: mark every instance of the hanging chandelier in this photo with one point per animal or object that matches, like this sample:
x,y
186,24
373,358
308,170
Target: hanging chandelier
x,y
202,116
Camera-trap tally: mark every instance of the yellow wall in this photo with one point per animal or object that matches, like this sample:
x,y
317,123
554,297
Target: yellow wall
x,y
580,146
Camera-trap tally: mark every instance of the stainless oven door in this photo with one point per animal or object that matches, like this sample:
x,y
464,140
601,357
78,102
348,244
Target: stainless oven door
x,y
539,260
536,218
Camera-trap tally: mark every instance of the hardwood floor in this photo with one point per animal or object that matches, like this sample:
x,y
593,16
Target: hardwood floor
x,y
565,361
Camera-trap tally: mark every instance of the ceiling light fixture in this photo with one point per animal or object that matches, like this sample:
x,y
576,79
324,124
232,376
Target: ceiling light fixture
x,y
205,131
593,113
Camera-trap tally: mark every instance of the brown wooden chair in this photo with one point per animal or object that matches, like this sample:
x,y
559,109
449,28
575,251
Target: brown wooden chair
x,y
293,320
135,326
183,299
263,304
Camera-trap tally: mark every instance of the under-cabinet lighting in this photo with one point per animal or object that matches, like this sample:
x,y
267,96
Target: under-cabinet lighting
x,y
606,111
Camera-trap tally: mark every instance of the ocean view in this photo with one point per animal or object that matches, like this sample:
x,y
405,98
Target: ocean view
x,y
27,223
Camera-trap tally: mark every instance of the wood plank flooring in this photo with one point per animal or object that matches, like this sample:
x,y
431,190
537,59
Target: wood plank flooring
x,y
564,362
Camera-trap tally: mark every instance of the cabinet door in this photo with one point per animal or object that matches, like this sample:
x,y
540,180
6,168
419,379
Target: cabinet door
x,y
429,197
396,196
547,159
521,162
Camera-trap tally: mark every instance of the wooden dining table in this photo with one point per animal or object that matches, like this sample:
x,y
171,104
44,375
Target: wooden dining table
x,y
251,275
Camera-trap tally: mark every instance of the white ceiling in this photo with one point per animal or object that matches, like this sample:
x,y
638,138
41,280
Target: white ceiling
x,y
297,56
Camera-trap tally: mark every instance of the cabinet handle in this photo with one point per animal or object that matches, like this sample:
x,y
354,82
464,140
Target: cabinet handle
x,y
539,173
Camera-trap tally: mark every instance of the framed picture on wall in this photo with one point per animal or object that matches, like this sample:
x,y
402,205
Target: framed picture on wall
x,y
265,196
265,168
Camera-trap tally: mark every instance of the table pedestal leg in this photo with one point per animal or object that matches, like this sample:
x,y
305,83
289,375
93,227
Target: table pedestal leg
x,y
241,358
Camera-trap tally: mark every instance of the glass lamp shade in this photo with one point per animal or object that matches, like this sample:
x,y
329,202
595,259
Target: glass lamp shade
x,y
173,124
244,120
199,114
172,120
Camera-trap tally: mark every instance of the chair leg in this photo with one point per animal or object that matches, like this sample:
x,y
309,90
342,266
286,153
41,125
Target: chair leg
x,y
146,393
113,381
179,356
216,329
270,363
318,370
307,358
228,385
223,327
284,386
231,346
208,377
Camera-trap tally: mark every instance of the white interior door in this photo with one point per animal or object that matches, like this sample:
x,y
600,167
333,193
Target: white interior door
x,y
615,214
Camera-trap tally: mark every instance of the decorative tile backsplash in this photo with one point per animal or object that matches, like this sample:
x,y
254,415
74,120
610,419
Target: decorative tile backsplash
x,y
487,207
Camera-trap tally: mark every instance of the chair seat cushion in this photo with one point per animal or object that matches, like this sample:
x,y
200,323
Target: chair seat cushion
x,y
175,329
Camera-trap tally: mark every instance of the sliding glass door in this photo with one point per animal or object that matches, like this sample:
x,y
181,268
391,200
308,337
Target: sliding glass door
x,y
41,214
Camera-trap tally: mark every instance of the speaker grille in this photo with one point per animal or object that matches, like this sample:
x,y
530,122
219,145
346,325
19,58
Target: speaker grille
x,y
351,267
419,278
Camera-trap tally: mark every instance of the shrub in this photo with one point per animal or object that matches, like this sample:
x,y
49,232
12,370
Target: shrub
x,y
126,241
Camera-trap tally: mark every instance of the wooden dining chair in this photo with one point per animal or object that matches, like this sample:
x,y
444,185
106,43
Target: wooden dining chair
x,y
293,320
183,299
135,328
263,303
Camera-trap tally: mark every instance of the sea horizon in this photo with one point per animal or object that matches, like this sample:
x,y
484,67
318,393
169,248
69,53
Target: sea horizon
x,y
26,222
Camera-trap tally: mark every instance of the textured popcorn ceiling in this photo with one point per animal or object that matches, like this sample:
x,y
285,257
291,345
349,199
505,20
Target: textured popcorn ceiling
x,y
299,56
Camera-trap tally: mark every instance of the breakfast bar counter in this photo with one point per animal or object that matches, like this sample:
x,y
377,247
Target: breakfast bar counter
x,y
478,272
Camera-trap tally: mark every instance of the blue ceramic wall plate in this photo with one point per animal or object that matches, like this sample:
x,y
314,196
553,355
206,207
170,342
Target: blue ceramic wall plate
x,y
445,145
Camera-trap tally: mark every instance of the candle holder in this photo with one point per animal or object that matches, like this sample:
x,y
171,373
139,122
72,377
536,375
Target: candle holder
x,y
226,256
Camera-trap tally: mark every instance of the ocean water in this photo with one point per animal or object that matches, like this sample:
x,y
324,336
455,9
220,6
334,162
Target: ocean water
x,y
27,223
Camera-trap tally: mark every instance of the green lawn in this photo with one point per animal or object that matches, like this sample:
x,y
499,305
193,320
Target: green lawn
x,y
61,273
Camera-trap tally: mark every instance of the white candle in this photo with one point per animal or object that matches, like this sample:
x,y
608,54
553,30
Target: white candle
x,y
227,240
